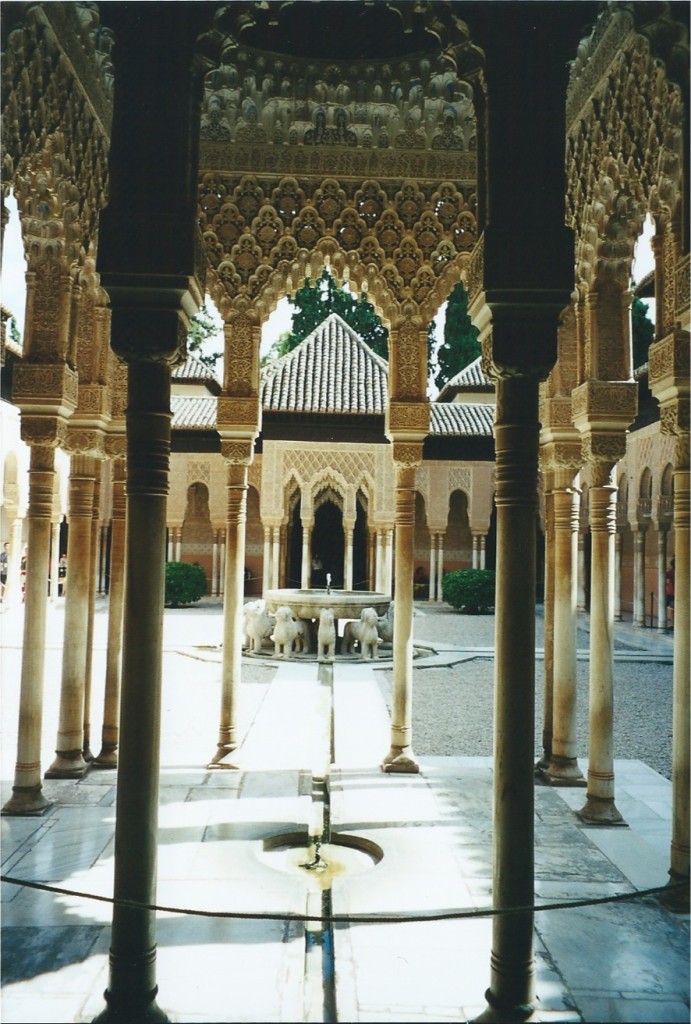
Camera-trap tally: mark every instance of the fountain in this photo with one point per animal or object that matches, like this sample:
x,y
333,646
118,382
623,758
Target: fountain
x,y
345,604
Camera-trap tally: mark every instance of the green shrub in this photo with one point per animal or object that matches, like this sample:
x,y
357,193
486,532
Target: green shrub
x,y
185,583
469,590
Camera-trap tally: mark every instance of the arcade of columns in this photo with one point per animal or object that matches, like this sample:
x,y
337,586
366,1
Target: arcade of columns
x,y
558,349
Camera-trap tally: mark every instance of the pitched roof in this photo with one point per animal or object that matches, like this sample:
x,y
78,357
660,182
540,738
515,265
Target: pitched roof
x,y
194,371
461,419
470,378
331,371
193,413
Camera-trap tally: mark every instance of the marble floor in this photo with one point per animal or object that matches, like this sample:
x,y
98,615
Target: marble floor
x,y
409,878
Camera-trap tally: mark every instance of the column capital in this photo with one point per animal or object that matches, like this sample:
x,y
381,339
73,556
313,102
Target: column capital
x,y
407,454
237,451
407,421
668,370
604,405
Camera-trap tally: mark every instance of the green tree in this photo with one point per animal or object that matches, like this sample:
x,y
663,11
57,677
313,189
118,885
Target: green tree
x,y
15,336
314,303
460,346
642,332
203,329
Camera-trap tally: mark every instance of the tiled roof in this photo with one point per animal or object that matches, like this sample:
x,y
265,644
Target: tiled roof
x,y
461,419
471,377
192,413
331,371
192,371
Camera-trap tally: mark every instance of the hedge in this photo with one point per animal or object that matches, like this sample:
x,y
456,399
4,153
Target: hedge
x,y
469,590
185,583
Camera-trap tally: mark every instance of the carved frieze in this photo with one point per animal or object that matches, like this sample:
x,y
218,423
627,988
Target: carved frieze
x,y
408,418
232,412
669,366
601,404
85,442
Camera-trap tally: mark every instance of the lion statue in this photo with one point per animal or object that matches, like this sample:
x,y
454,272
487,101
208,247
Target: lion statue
x,y
326,636
386,625
365,632
285,632
303,641
257,624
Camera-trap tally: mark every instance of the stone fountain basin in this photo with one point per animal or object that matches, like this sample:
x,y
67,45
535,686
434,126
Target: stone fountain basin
x,y
345,604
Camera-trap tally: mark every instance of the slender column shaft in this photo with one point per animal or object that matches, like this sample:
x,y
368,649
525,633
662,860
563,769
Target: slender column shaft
x,y
512,980
95,555
563,768
372,562
679,864
12,593
600,807
582,589
266,574
133,942
232,608
661,569
617,577
433,568
475,560
275,556
178,543
214,566
54,559
69,762
222,567
348,559
108,757
171,546
400,757
440,565
639,578
306,558
483,544
27,796
548,660
388,562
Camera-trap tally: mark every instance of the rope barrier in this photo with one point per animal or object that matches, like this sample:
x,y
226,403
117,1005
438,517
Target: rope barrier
x,y
336,919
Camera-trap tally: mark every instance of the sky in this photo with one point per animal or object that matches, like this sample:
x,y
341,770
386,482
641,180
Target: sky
x,y
13,293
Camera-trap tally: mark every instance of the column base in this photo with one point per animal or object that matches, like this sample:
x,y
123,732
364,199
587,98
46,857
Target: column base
x,y
599,810
401,760
28,801
564,771
149,1012
225,757
496,1014
676,897
108,757
67,765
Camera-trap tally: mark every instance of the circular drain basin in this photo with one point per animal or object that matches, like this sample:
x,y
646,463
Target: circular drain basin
x,y
319,863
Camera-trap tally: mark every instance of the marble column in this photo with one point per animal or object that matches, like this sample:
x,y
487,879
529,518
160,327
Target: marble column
x,y
178,543
512,966
483,550
348,556
69,762
266,569
400,757
661,579
582,573
600,808
563,767
679,860
171,545
617,576
388,561
306,557
54,560
440,565
232,606
222,568
275,556
639,577
95,554
548,659
27,795
432,595
214,566
108,755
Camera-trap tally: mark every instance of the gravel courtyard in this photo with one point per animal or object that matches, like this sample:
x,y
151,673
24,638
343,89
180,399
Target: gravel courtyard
x,y
453,707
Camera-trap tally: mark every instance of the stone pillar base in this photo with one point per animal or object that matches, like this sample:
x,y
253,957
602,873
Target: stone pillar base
x,y
224,757
108,757
29,801
497,1013
67,765
401,760
564,771
599,810
148,1013
676,898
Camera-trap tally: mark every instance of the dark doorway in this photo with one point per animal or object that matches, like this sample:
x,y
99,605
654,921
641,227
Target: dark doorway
x,y
294,565
360,578
327,541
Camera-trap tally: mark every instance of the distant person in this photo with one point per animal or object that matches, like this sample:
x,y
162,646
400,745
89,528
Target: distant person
x,y
317,570
62,575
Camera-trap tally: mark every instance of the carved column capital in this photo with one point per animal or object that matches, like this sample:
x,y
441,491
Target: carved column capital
x,y
237,451
407,454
